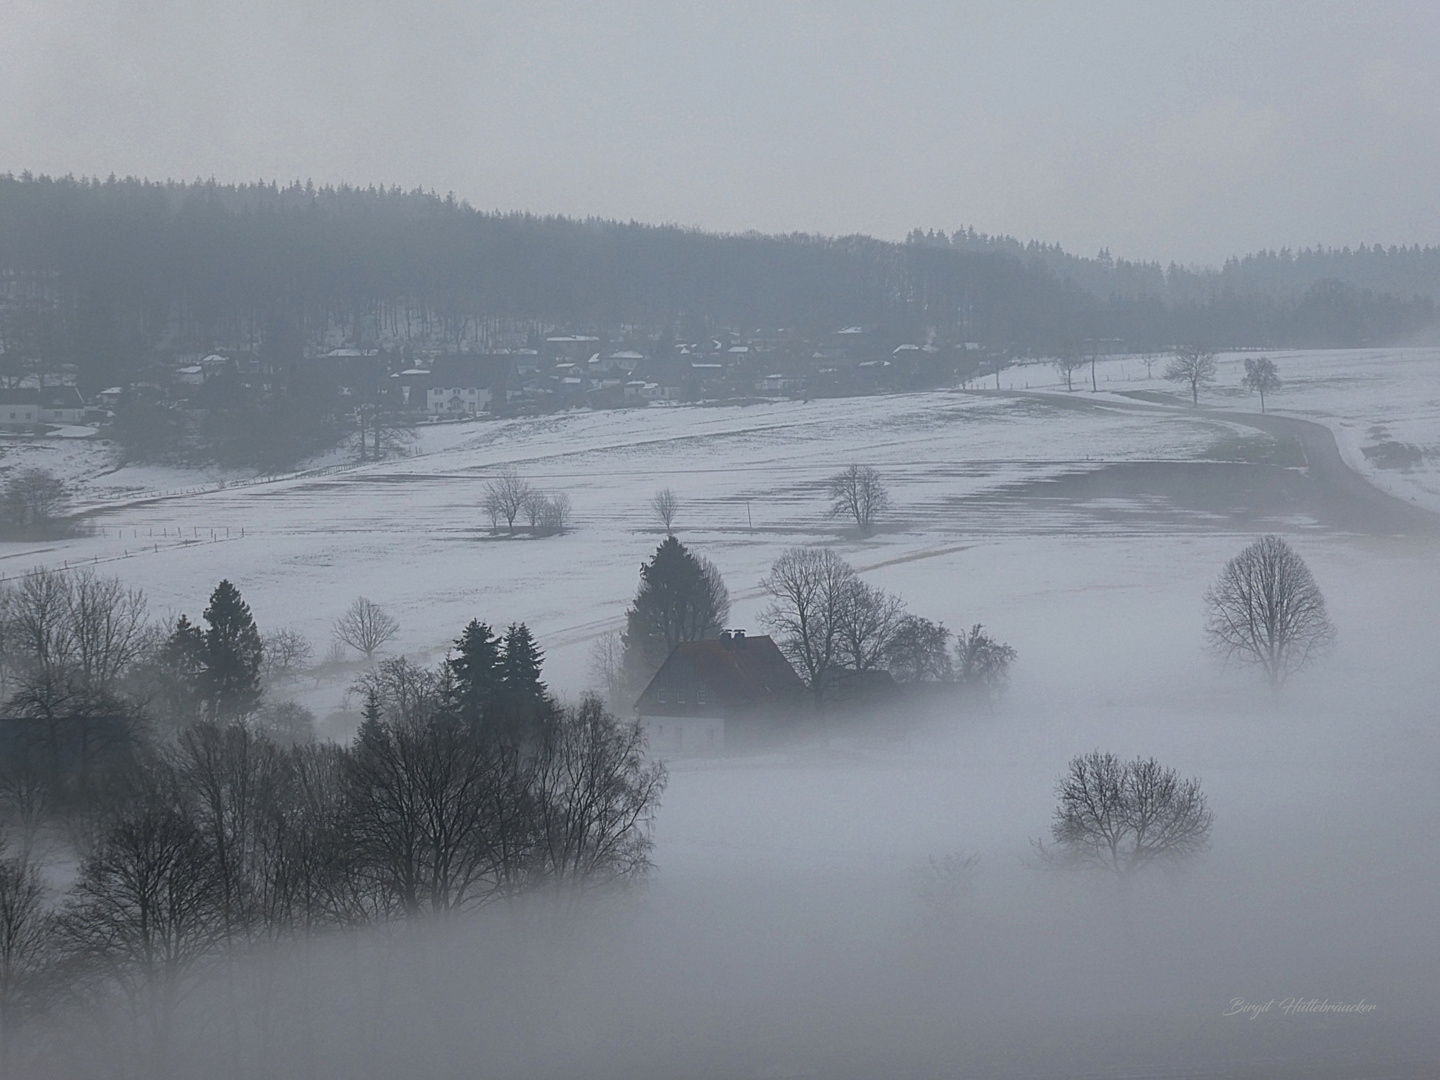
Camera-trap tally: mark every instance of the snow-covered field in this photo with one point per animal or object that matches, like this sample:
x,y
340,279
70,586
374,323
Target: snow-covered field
x,y
1383,405
1082,529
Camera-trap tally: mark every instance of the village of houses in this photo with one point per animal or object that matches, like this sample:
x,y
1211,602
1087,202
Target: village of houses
x,y
529,374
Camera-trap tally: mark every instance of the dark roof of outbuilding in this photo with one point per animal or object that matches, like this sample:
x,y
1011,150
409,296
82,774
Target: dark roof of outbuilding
x,y
736,672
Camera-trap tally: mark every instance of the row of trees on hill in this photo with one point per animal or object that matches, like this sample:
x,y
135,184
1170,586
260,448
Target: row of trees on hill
x,y
101,274
1400,271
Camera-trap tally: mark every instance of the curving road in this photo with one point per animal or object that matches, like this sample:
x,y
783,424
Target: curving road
x,y
1339,496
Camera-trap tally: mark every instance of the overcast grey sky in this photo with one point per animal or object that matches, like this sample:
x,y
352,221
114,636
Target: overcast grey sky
x,y
1161,130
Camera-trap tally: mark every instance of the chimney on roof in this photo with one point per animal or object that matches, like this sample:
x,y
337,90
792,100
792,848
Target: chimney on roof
x,y
726,638
738,636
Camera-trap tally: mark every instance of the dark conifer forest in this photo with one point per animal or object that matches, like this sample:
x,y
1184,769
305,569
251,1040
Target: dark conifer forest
x,y
101,276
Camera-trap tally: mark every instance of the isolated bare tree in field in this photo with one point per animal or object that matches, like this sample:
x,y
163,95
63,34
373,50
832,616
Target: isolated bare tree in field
x,y
505,497
1067,363
1267,610
1193,365
664,504
857,493
1124,816
365,626
1260,377
809,589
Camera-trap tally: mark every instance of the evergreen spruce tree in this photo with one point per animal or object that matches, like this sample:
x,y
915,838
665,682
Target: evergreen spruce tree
x,y
182,663
232,653
525,707
372,722
475,674
681,598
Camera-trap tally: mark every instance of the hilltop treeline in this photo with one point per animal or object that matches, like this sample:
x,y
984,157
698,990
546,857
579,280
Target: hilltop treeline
x,y
1400,271
100,274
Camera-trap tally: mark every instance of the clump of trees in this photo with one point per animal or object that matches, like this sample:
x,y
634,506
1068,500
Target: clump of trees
x,y
831,626
467,784
1123,817
857,493
1267,611
509,498
32,506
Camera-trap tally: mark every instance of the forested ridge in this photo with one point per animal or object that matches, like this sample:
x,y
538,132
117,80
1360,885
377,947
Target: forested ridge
x,y
105,274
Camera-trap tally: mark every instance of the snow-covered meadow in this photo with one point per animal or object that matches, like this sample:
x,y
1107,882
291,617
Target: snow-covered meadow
x,y
1083,530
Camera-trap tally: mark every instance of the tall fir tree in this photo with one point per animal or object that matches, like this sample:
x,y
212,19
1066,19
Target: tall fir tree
x,y
182,663
475,679
681,598
525,707
372,720
232,653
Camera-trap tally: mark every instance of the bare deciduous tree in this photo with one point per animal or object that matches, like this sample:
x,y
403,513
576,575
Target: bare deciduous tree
x,y
32,503
607,669
808,589
919,651
869,619
146,910
405,691
1267,610
556,516
69,638
664,504
1260,377
1068,362
942,884
982,664
24,942
1125,816
594,793
286,653
365,626
857,493
1193,365
505,497
546,515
